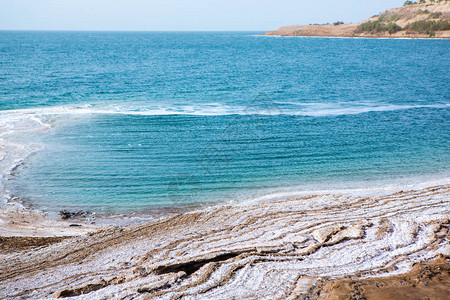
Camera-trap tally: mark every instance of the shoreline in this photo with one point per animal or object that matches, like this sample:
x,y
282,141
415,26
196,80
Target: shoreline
x,y
357,37
35,222
206,253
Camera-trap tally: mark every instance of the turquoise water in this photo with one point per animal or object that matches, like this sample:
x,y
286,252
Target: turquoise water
x,y
140,121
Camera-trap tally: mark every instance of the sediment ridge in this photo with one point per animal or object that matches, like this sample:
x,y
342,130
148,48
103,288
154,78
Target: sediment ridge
x,y
310,247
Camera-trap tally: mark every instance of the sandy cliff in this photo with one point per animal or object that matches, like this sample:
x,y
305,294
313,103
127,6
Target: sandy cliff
x,y
403,18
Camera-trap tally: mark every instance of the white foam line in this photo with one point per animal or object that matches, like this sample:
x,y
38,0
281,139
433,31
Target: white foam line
x,y
14,125
213,109
375,189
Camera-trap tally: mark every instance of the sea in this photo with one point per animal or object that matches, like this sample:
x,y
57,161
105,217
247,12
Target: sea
x,y
125,122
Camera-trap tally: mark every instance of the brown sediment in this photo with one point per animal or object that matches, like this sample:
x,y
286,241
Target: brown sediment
x,y
274,249
385,227
17,243
344,30
429,280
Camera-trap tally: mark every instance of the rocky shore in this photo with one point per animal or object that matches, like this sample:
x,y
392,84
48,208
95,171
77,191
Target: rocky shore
x,y
324,246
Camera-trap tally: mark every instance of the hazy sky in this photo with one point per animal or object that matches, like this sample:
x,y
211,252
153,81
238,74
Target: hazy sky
x,y
182,15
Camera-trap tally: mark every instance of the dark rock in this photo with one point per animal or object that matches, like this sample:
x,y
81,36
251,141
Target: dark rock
x,y
68,215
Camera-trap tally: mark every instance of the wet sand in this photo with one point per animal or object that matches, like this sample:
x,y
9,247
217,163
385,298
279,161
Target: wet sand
x,y
23,222
313,247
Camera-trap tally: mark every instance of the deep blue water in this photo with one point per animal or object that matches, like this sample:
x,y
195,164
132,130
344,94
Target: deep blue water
x,y
151,120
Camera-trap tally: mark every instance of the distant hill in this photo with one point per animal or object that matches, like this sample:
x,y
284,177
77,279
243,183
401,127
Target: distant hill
x,y
422,19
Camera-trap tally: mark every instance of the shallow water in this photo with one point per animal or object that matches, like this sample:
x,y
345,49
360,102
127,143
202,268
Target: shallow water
x,y
121,122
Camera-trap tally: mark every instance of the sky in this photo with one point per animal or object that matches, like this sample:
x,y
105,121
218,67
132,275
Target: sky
x,y
182,15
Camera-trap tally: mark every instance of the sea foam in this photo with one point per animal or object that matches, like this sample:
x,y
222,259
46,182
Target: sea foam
x,y
213,109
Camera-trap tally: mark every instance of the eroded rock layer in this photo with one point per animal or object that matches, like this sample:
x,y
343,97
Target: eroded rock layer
x,y
269,250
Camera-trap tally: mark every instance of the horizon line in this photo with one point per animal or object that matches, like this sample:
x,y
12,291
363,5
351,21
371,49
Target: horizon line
x,y
119,30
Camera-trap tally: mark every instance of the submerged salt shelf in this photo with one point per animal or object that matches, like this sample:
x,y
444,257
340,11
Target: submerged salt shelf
x,y
119,161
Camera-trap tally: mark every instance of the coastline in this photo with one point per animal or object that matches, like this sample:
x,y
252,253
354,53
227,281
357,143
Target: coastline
x,y
425,20
298,241
327,31
359,37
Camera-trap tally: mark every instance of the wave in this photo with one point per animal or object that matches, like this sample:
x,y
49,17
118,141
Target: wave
x,y
312,109
14,146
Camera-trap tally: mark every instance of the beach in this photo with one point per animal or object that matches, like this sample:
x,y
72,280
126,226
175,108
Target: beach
x,y
312,247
